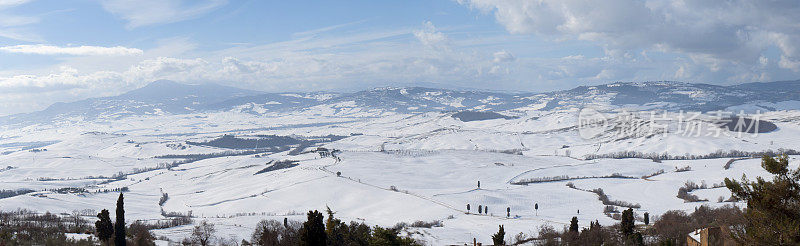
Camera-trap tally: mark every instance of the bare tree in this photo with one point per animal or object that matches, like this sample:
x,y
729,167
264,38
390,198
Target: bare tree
x,y
203,233
77,221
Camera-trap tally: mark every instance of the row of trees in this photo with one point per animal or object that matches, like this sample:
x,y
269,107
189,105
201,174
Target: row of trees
x,y
770,218
669,229
483,209
687,156
315,231
25,227
319,231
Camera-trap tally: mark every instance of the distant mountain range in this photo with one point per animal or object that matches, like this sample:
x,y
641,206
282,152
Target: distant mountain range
x,y
167,97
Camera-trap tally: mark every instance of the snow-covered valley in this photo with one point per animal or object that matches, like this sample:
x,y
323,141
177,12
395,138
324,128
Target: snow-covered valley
x,y
378,165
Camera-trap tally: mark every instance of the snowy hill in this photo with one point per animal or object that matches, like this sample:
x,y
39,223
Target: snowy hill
x,y
166,97
159,97
390,155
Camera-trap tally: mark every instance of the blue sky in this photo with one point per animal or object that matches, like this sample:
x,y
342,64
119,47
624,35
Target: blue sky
x,y
53,51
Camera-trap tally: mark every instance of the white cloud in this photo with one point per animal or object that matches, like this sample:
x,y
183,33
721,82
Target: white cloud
x,y
13,26
738,31
430,36
19,34
789,63
41,49
11,3
353,58
150,12
303,64
15,20
503,56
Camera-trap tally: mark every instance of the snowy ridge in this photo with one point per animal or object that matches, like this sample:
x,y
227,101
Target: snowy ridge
x,y
166,97
397,164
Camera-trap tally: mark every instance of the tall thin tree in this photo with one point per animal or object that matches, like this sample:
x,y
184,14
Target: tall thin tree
x,y
119,225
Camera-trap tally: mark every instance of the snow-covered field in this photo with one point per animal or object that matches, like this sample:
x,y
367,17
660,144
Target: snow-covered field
x,y
394,168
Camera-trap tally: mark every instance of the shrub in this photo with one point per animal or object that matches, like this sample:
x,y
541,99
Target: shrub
x,y
683,192
163,199
273,232
606,201
427,224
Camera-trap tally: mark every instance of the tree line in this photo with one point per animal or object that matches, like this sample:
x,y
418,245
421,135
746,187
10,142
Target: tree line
x,y
770,218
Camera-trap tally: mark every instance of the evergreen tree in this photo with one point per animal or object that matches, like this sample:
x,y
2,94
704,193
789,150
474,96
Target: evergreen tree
x,y
357,234
480,209
313,231
773,207
647,218
486,209
335,229
330,222
573,224
627,224
267,233
389,237
104,227
467,208
499,238
119,225
592,236
636,239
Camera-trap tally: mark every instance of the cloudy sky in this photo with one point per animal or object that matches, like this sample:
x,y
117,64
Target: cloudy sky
x,y
53,50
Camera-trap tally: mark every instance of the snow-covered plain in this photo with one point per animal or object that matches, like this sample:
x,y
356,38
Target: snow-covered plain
x,y
395,167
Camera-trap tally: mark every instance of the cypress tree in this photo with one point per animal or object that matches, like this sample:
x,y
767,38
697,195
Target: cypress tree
x,y
119,225
647,218
573,224
627,223
480,209
313,231
499,238
105,229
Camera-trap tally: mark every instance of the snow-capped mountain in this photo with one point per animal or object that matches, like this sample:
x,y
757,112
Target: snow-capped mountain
x,y
156,98
167,97
677,95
